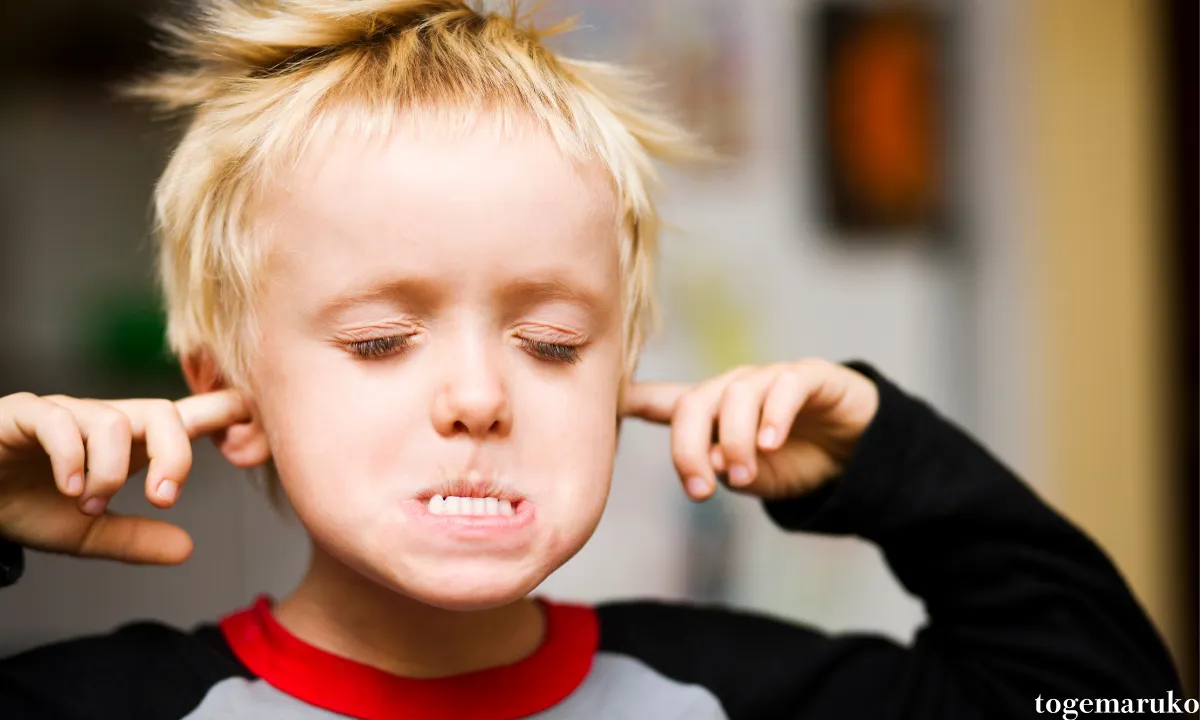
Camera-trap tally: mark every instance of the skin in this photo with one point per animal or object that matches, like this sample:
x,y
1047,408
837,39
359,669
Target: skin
x,y
408,333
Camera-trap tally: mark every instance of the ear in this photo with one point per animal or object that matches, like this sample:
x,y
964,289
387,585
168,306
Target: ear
x,y
243,444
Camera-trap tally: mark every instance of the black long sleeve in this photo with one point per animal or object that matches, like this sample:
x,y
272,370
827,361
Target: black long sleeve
x,y
1021,603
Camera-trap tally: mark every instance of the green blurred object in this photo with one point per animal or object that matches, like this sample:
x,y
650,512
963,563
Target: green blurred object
x,y
126,333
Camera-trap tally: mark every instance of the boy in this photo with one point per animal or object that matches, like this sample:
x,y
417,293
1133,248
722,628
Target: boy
x,y
407,258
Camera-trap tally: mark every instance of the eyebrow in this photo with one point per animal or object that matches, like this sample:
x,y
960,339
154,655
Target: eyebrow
x,y
537,290
414,290
425,296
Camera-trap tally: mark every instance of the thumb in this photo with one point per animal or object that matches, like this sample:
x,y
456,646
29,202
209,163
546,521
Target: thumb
x,y
139,540
652,401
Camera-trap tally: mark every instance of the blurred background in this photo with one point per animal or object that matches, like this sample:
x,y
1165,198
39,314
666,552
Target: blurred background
x,y
993,202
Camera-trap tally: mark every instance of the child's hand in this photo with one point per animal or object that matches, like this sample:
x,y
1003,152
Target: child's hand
x,y
780,430
62,459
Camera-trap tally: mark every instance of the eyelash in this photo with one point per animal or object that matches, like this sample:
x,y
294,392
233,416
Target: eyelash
x,y
553,352
384,346
379,347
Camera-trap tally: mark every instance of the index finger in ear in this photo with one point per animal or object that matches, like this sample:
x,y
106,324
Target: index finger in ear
x,y
652,401
212,412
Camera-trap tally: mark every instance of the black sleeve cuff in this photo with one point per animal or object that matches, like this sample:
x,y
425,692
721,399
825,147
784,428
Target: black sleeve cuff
x,y
12,562
846,504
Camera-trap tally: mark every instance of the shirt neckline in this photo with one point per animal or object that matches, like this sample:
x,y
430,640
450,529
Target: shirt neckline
x,y
342,685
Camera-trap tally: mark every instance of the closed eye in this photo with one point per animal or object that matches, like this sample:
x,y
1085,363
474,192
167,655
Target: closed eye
x,y
379,347
552,352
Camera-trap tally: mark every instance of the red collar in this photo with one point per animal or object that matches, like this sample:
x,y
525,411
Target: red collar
x,y
344,686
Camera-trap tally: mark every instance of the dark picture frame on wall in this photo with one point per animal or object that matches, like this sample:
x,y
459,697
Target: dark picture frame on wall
x,y
882,120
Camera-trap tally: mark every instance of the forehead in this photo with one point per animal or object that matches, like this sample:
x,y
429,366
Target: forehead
x,y
469,199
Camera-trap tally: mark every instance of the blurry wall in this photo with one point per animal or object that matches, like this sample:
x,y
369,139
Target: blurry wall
x,y
1105,287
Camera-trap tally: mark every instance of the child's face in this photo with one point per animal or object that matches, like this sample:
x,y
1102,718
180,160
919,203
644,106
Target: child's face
x,y
409,282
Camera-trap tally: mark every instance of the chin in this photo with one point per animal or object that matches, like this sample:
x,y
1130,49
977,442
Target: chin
x,y
466,585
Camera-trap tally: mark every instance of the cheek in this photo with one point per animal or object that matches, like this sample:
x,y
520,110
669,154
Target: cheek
x,y
570,444
330,428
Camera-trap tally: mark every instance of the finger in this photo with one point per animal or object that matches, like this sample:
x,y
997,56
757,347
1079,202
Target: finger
x,y
691,435
786,396
28,418
652,401
158,424
108,436
738,416
134,539
212,412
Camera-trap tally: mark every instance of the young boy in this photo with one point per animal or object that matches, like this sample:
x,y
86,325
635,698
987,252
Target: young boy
x,y
407,258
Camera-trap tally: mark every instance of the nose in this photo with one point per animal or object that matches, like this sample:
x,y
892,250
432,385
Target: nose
x,y
473,397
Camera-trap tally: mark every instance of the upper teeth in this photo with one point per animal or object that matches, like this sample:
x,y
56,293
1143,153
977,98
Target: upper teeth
x,y
455,505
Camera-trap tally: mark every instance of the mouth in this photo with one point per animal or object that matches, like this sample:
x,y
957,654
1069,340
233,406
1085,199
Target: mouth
x,y
471,496
467,505
503,523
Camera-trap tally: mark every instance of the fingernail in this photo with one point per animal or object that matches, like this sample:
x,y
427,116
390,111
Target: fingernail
x,y
75,484
94,506
739,475
766,438
697,487
167,490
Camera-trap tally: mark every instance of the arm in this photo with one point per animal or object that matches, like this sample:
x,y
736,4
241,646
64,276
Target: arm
x,y
143,670
1021,603
48,502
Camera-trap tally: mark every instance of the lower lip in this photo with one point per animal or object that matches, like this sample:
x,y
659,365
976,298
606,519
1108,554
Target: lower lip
x,y
474,527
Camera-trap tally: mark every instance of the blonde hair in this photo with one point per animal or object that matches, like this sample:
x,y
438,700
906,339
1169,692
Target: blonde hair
x,y
253,78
